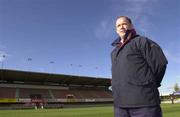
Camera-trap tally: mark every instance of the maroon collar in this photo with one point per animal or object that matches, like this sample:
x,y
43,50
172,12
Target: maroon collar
x,y
130,35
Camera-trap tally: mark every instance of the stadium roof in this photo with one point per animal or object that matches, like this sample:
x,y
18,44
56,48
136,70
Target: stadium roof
x,y
7,75
177,93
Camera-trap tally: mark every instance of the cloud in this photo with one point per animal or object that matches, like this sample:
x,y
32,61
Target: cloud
x,y
178,79
138,10
172,57
166,90
104,29
2,46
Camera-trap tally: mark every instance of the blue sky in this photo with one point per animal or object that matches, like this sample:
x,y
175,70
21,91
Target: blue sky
x,y
74,36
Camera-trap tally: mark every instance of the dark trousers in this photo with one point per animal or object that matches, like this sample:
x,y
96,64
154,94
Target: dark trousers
x,y
153,111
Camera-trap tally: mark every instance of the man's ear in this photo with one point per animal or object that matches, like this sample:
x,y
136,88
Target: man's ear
x,y
117,31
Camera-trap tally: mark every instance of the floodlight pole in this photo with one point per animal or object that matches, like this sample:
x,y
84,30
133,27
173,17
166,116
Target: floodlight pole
x,y
51,64
2,63
97,73
29,59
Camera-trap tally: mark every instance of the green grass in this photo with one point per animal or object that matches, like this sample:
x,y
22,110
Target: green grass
x,y
169,110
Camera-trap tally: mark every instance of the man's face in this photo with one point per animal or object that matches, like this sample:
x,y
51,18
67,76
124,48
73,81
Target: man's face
x,y
122,25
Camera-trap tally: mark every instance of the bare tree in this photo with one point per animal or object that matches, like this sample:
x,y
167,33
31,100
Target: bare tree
x,y
176,87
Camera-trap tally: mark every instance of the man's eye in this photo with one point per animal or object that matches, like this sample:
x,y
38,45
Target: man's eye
x,y
124,24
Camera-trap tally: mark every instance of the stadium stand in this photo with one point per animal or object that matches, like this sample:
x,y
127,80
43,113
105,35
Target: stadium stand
x,y
7,92
28,93
23,89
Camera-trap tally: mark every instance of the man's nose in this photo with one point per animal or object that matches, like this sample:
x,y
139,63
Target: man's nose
x,y
121,26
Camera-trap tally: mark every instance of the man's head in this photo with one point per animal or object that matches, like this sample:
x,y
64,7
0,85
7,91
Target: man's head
x,y
123,24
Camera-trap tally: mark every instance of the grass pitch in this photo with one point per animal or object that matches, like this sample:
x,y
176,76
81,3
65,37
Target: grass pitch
x,y
169,110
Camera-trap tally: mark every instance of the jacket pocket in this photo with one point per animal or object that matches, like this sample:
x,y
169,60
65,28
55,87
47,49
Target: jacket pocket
x,y
141,77
140,82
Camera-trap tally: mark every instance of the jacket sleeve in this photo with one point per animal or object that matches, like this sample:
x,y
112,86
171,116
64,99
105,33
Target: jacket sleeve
x,y
155,59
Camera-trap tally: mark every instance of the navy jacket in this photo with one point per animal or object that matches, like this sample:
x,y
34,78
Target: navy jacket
x,y
138,68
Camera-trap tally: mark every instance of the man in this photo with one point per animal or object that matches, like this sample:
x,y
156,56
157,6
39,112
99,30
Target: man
x,y
138,67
